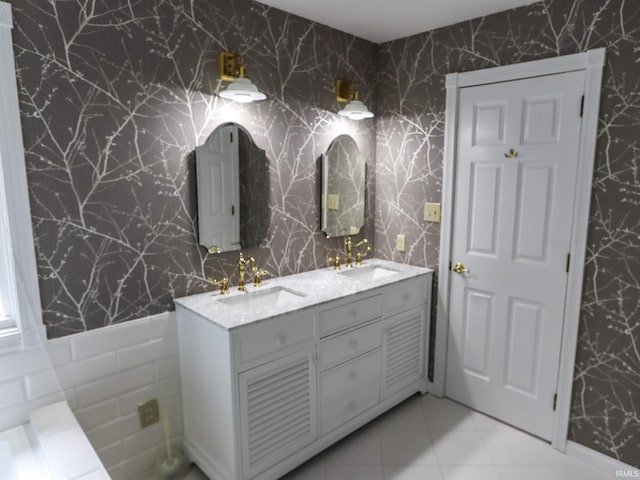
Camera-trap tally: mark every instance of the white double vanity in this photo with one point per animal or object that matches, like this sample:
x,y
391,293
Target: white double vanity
x,y
274,375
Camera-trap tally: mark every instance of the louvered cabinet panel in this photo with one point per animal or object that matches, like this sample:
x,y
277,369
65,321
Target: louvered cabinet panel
x,y
403,351
277,410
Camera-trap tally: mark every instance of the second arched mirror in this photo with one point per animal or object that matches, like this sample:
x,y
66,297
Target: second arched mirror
x,y
343,188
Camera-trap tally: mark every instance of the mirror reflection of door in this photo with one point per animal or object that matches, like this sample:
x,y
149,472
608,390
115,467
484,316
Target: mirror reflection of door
x,y
218,176
343,188
233,190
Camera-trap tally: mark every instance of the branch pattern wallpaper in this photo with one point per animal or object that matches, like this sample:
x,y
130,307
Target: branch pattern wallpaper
x,y
116,94
605,411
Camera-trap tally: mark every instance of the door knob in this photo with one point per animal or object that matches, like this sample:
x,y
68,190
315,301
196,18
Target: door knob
x,y
459,268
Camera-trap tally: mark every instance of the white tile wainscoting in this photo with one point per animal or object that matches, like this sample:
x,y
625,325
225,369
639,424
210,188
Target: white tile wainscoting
x,y
106,373
103,374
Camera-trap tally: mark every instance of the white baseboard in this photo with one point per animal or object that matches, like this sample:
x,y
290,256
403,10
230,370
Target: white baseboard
x,y
601,461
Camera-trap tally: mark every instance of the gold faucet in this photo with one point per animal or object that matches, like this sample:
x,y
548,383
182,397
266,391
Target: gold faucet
x,y
224,285
350,246
242,263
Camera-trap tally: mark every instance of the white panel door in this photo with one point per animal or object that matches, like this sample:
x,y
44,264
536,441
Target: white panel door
x,y
217,162
515,183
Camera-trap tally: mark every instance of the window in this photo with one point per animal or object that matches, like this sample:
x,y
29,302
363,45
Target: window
x,y
20,310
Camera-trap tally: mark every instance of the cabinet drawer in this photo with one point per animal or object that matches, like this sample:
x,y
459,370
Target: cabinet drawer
x,y
275,334
343,347
350,376
349,391
344,316
405,294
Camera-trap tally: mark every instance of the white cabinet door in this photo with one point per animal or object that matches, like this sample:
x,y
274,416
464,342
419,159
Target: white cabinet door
x,y
403,350
277,410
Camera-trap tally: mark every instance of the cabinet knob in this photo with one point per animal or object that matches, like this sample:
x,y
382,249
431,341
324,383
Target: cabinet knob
x,y
353,313
353,343
282,338
353,375
352,405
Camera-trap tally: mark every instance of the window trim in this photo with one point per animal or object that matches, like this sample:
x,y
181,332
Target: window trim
x,y
21,289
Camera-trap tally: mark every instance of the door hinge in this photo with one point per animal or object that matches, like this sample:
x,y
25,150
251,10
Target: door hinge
x,y
582,106
568,261
449,266
555,401
233,209
231,136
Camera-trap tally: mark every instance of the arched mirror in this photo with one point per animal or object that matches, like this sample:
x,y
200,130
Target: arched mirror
x,y
343,180
233,190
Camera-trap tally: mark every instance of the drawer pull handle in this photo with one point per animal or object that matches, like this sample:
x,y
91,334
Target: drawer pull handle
x,y
353,343
352,405
353,376
282,339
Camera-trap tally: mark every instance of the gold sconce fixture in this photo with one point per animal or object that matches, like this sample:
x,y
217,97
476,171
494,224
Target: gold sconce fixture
x,y
231,68
347,92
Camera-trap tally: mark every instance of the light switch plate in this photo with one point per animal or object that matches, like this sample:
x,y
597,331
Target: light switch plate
x,y
432,212
333,201
400,243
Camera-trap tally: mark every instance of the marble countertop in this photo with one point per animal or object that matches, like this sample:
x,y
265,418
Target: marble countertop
x,y
317,286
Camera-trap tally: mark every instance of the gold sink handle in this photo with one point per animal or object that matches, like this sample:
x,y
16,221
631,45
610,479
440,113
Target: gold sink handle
x,y
335,261
361,255
224,285
257,277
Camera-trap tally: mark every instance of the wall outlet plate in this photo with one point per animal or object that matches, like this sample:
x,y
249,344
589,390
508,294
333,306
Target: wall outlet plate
x,y
149,412
333,201
400,243
431,212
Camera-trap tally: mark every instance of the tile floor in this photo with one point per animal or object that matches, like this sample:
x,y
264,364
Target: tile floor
x,y
426,438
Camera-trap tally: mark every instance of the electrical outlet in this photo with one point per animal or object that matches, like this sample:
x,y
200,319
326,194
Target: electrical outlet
x,y
431,212
400,243
149,412
333,201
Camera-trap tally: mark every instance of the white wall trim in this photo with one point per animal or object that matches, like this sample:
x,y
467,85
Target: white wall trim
x,y
598,460
28,310
592,62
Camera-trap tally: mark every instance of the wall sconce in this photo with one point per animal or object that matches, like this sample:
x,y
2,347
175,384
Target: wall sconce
x,y
348,93
231,68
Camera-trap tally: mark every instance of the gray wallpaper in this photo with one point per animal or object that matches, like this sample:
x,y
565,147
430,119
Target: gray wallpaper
x,y
410,130
116,94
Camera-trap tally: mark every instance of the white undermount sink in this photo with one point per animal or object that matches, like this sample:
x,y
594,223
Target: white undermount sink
x,y
258,299
368,273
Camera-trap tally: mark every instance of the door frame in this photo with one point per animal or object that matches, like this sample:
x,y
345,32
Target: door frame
x,y
592,62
